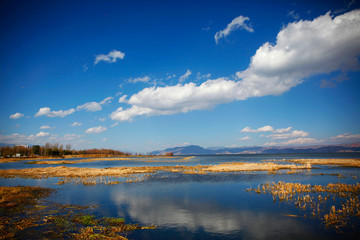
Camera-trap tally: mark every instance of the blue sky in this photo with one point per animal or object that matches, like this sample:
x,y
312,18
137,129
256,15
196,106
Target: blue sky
x,y
139,76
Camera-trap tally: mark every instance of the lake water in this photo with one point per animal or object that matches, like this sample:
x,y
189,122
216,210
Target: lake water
x,y
211,206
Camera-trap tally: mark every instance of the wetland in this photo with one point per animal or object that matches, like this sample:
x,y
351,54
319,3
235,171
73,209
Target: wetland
x,y
282,196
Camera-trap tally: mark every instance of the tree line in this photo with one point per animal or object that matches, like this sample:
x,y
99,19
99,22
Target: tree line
x,y
51,150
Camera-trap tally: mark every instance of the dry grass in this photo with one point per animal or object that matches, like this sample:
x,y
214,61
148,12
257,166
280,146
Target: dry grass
x,y
137,159
236,167
22,218
319,200
63,171
338,162
114,175
77,161
15,198
9,160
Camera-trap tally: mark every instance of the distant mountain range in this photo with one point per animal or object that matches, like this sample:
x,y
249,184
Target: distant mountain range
x,y
197,150
6,145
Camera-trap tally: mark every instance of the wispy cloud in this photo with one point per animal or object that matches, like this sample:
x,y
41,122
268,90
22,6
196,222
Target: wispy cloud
x,y
294,142
247,138
85,67
332,82
346,8
96,130
90,107
302,49
292,134
41,138
261,129
346,137
139,79
293,14
236,23
106,100
94,106
41,134
277,134
200,77
76,124
114,124
46,111
122,99
16,116
185,76
111,57
46,127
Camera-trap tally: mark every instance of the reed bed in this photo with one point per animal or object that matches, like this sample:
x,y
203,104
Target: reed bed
x,y
25,214
86,173
107,180
137,159
267,166
318,201
338,162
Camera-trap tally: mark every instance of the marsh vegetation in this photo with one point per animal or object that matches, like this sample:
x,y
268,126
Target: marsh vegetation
x,y
140,194
25,214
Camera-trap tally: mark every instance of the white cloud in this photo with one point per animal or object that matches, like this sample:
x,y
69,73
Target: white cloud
x,y
296,141
281,133
346,137
245,138
46,127
302,49
185,76
115,124
236,23
174,99
261,129
46,111
94,106
111,57
16,116
130,113
282,130
76,124
102,119
14,138
139,79
122,99
170,76
90,107
38,137
99,129
41,138
292,134
106,100
199,76
42,134
70,136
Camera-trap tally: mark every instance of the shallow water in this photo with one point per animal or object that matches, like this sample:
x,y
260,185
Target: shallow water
x,y
182,160
211,206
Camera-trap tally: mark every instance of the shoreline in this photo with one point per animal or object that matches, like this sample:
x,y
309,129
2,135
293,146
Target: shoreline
x,y
138,172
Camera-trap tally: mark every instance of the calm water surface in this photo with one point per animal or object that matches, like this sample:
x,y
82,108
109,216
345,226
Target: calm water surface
x,y
212,206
